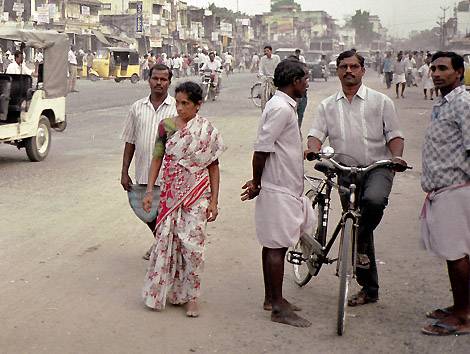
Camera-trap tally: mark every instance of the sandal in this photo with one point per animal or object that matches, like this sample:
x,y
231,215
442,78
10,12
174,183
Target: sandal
x,y
439,314
361,298
439,328
362,261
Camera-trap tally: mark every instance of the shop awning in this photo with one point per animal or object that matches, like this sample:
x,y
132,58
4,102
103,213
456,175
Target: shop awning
x,y
100,36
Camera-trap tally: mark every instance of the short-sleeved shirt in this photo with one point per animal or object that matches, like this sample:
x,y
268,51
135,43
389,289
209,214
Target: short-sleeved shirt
x,y
268,65
72,58
399,67
140,129
447,142
360,129
278,134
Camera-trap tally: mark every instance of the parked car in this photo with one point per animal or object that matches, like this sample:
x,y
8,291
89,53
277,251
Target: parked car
x,y
27,112
285,52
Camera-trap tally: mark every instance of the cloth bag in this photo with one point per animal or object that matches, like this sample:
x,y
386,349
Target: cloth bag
x,y
136,196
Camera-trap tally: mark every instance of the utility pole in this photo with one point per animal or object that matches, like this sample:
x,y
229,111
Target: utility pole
x,y
443,26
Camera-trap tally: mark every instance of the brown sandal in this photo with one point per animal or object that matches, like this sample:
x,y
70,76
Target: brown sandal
x,y
361,298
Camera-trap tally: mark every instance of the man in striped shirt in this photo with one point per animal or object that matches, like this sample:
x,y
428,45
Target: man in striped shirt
x,y
140,129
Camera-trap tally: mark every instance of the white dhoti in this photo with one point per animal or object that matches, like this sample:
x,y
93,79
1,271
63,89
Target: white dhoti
x,y
445,222
282,217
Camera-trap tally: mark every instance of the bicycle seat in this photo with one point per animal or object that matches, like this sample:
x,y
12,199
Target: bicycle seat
x,y
325,167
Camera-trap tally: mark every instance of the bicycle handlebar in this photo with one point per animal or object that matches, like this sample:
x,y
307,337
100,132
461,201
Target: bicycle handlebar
x,y
381,163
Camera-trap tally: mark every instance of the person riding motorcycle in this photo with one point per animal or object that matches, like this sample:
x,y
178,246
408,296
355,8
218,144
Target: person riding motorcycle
x,y
214,66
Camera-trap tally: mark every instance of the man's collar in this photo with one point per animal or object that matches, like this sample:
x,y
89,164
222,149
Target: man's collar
x,y
361,93
168,100
452,94
286,97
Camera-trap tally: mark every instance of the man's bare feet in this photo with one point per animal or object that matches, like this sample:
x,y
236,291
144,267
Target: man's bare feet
x,y
289,317
192,309
267,306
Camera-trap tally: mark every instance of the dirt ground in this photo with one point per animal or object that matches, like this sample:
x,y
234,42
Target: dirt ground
x,y
72,272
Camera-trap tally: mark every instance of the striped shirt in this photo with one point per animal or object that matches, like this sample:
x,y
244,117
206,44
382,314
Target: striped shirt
x,y
140,130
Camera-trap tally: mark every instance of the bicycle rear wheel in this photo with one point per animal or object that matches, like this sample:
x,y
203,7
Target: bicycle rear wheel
x,y
345,273
256,94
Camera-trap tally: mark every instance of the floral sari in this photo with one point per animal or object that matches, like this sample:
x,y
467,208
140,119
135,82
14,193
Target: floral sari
x,y
178,253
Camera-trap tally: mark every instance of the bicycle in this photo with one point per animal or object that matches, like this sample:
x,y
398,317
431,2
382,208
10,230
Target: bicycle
x,y
262,90
311,252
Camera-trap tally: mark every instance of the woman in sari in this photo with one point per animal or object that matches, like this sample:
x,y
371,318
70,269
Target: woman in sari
x,y
188,147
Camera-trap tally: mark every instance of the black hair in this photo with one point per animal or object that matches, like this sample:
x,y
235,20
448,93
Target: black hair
x,y
160,67
268,47
18,53
349,54
190,88
298,50
455,59
287,71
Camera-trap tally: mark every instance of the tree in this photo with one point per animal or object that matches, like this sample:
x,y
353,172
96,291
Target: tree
x,y
280,5
364,28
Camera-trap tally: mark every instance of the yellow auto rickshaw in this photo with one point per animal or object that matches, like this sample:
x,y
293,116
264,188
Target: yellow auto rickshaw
x,y
116,63
466,79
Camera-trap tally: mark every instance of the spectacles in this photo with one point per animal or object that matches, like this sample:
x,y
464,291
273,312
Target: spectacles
x,y
351,66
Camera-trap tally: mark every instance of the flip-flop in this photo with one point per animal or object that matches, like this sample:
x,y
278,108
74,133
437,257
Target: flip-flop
x,y
439,328
438,314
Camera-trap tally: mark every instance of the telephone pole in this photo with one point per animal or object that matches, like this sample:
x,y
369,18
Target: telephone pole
x,y
442,24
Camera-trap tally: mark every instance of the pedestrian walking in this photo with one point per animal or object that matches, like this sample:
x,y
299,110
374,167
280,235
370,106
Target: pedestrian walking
x,y
399,75
363,124
426,79
282,214
140,131
445,215
410,65
72,59
388,69
254,63
187,149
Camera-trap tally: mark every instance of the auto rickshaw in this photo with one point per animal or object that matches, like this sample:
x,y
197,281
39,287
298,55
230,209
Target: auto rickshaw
x,y
27,111
466,79
116,63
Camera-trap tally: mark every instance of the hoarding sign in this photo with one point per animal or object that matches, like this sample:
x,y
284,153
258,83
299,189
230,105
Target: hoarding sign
x,y
139,18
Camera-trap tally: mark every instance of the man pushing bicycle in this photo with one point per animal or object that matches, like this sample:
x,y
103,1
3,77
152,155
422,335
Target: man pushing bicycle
x,y
363,123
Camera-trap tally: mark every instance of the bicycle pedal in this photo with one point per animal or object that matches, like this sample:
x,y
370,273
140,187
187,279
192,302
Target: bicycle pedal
x,y
295,257
331,261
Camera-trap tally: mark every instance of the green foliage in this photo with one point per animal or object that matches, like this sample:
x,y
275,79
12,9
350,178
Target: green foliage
x,y
278,4
225,13
364,28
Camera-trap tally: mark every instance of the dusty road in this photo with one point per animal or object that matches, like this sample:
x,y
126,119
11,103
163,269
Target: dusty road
x,y
70,249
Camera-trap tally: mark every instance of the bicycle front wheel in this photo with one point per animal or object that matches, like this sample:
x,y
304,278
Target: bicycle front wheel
x,y
256,94
345,272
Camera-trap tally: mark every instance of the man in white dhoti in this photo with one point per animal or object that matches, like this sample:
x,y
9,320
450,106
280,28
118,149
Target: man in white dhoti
x,y
281,213
445,218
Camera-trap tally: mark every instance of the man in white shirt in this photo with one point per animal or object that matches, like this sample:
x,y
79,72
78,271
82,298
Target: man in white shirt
x,y
18,66
281,213
298,54
254,63
72,59
214,66
228,62
363,124
267,66
410,65
140,130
